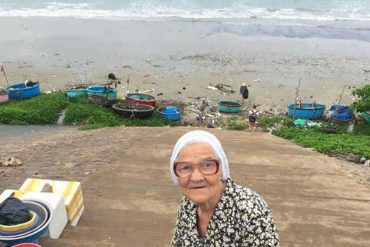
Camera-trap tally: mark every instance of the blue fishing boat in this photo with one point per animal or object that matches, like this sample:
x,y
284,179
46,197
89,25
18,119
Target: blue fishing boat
x,y
341,113
102,91
76,92
24,90
306,110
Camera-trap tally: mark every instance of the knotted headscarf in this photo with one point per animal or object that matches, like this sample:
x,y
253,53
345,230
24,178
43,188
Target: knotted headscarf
x,y
197,136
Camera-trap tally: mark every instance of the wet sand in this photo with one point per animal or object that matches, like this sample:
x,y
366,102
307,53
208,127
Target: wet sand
x,y
181,59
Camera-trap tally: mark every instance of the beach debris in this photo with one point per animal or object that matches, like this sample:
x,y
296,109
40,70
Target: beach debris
x,y
148,60
366,70
10,161
257,80
183,88
147,75
211,88
126,67
68,66
224,88
159,94
367,163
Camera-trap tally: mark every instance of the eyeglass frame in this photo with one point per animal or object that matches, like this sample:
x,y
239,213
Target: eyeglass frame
x,y
215,160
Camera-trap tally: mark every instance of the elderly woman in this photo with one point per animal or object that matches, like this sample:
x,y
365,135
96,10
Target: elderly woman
x,y
215,211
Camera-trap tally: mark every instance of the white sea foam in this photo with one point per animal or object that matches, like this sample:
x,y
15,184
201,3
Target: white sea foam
x,y
155,10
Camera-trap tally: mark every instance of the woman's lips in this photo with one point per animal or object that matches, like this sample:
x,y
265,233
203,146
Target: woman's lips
x,y
198,187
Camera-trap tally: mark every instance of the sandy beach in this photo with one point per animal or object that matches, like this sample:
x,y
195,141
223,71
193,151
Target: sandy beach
x,y
180,59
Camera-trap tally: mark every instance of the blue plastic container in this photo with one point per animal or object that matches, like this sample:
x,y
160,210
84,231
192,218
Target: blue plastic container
x,y
20,232
21,91
32,236
103,91
170,112
306,111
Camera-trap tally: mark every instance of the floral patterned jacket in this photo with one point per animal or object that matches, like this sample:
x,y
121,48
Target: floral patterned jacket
x,y
241,218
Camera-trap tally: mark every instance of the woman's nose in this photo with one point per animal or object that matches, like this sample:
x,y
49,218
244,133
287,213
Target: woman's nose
x,y
196,175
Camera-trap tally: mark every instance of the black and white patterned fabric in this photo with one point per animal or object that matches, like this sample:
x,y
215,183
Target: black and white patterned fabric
x,y
241,218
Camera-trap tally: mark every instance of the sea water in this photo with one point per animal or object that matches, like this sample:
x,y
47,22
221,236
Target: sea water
x,y
338,19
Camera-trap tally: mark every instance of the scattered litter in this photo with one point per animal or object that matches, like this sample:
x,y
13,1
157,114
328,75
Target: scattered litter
x,y
147,75
367,163
11,161
211,88
224,88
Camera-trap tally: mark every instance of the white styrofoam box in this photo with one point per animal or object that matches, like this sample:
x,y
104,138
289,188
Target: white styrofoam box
x,y
5,194
59,218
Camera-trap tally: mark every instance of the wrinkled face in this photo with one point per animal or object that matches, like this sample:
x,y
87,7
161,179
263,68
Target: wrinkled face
x,y
197,187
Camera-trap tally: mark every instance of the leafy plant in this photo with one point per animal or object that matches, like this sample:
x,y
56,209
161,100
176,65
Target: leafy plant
x,y
363,102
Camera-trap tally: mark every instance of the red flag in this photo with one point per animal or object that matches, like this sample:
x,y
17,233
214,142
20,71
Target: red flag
x,y
2,69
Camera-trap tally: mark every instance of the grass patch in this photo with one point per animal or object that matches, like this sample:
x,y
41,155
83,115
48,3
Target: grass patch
x,y
333,144
234,124
45,109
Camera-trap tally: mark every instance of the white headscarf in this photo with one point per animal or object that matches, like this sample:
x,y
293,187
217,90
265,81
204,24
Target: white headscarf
x,y
195,137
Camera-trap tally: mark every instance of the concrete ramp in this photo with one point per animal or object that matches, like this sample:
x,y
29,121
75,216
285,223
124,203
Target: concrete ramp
x,y
130,201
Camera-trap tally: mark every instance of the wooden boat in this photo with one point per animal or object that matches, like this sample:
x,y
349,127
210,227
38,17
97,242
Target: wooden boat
x,y
24,90
4,97
102,100
229,106
170,112
103,91
133,111
141,99
306,110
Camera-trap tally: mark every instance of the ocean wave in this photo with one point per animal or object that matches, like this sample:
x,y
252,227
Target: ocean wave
x,y
152,11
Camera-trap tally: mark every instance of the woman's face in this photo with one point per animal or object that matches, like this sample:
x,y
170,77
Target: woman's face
x,y
200,188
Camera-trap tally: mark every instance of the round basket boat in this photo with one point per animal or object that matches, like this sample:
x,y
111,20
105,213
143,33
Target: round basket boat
x,y
229,106
4,96
306,110
23,91
102,100
172,113
103,91
141,99
133,111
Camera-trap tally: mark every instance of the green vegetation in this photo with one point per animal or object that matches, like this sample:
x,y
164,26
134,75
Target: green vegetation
x,y
363,102
333,144
234,124
45,109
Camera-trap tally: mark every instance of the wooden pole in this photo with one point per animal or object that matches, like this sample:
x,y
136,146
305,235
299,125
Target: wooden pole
x,y
6,78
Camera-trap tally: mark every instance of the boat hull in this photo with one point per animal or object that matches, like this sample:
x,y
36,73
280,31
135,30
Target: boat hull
x,y
229,106
76,92
133,111
102,100
4,98
306,111
103,91
21,91
141,99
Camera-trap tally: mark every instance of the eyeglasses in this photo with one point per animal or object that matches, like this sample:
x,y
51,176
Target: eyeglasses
x,y
207,167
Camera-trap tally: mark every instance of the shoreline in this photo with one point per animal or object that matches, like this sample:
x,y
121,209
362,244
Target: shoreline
x,y
181,59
